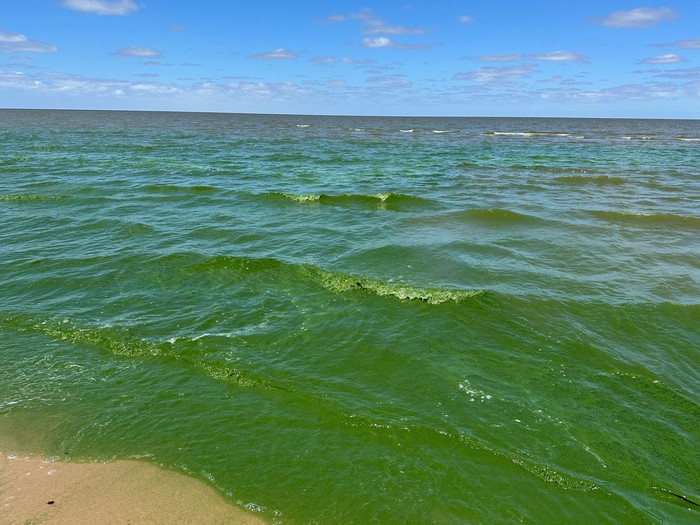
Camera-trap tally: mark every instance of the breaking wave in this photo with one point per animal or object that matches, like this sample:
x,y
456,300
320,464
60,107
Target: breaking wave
x,y
384,199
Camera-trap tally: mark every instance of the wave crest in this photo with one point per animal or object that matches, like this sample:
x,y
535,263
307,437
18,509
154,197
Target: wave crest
x,y
119,341
382,199
29,197
583,179
338,282
650,219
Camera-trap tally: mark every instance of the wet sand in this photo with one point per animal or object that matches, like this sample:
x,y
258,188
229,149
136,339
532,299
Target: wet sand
x,y
38,491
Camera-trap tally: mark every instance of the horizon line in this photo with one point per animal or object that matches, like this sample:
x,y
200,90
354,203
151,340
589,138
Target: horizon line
x,y
349,115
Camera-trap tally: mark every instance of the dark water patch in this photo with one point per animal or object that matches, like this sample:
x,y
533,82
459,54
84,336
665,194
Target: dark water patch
x,y
473,165
300,158
174,188
44,147
239,265
546,168
535,167
586,179
497,216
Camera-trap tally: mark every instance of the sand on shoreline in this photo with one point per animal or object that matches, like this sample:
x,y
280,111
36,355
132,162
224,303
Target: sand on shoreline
x,y
37,491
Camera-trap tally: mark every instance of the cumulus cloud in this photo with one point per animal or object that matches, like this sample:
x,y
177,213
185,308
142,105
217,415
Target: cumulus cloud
x,y
363,15
648,91
564,81
497,74
138,52
690,73
554,56
391,81
688,43
17,42
394,30
560,56
380,41
670,58
101,7
640,18
277,54
501,58
335,60
374,25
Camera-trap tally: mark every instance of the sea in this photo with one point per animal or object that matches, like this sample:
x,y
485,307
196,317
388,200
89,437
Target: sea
x,y
353,320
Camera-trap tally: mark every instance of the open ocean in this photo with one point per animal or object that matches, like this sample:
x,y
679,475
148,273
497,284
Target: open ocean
x,y
361,320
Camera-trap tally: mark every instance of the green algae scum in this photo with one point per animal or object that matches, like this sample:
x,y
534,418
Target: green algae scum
x,y
333,321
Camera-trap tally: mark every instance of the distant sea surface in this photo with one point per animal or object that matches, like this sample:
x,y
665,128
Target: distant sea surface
x,y
360,319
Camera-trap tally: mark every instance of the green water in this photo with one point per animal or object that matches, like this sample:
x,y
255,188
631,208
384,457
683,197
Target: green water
x,y
332,320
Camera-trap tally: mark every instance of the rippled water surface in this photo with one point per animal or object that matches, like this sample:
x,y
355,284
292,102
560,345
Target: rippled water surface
x,y
357,319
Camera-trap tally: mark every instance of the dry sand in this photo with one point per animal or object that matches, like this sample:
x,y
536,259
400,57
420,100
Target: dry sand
x,y
35,491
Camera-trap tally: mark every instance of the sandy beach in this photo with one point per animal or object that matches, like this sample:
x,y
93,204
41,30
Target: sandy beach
x,y
39,491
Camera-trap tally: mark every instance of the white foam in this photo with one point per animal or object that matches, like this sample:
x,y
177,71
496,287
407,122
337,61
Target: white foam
x,y
474,393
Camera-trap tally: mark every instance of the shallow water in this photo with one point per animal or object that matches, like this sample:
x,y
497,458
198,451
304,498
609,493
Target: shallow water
x,y
338,320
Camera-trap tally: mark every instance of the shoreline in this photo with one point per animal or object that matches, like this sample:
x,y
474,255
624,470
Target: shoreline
x,y
45,491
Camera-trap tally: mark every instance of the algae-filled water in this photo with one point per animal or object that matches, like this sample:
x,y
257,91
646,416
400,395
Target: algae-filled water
x,y
359,319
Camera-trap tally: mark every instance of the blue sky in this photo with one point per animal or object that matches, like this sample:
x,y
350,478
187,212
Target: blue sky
x,y
454,58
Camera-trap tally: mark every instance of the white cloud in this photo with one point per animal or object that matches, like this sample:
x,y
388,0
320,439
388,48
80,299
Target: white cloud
x,y
639,18
501,58
138,52
17,42
688,43
101,7
560,56
394,30
391,81
690,73
375,26
670,58
364,15
383,41
497,74
465,19
277,54
649,91
565,81
334,60
554,56
332,19
324,60
380,41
